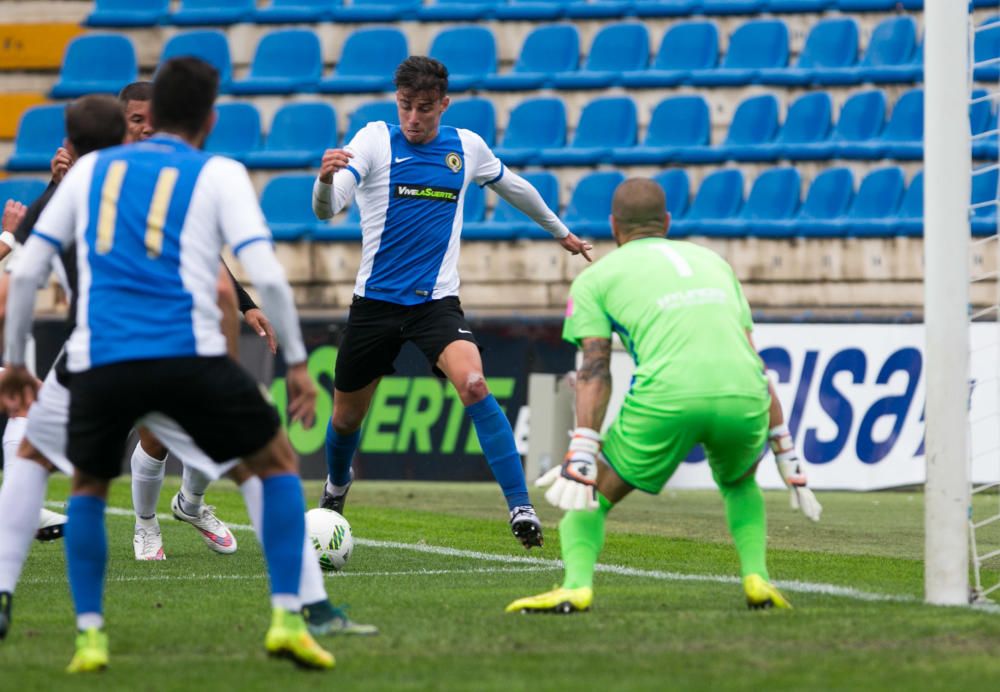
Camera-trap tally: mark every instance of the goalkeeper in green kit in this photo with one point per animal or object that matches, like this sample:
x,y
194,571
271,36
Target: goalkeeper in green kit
x,y
680,312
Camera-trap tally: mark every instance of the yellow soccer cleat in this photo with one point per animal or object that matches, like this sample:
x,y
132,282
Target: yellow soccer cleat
x,y
289,638
559,600
762,594
91,652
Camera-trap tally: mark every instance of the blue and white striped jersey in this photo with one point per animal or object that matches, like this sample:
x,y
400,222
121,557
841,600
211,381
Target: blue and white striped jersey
x,y
149,221
410,197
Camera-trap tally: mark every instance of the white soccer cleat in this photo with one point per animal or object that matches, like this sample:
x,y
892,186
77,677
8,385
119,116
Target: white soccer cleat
x,y
148,544
214,532
51,525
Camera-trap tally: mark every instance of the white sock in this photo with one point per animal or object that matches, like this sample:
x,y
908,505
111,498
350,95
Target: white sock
x,y
311,586
12,436
21,498
84,621
193,486
147,481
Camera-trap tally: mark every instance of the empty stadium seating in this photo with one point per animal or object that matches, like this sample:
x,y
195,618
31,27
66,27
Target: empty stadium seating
x,y
209,45
617,48
212,12
547,51
237,131
590,206
534,125
285,62
604,124
23,190
128,12
97,63
299,134
369,58
476,114
470,53
295,11
287,205
40,132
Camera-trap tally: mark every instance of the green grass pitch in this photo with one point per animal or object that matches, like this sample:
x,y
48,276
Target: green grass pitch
x,y
668,612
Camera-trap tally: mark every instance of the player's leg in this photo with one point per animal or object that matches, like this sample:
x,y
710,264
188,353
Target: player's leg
x,y
149,461
188,505
343,435
49,524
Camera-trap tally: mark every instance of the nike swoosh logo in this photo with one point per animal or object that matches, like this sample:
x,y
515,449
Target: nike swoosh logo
x,y
405,158
464,331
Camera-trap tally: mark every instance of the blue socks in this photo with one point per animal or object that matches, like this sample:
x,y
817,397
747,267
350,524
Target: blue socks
x,y
497,440
339,454
86,545
283,532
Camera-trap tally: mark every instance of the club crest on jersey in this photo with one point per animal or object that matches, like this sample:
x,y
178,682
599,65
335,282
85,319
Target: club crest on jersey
x,y
454,162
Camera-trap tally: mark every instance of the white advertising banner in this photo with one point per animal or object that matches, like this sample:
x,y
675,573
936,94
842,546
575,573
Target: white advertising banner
x,y
853,397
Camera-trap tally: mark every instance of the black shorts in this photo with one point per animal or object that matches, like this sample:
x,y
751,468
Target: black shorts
x,y
214,400
376,331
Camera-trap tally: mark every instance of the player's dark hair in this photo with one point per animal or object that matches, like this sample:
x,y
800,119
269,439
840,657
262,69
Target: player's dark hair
x,y
136,91
94,122
184,91
419,73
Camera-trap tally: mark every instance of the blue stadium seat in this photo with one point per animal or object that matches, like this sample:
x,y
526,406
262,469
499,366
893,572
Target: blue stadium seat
x,y
892,56
679,130
861,120
756,45
866,5
96,64
832,44
23,190
368,61
469,53
597,9
237,131
377,11
984,201
295,11
285,62
719,196
474,205
457,10
774,197
590,205
210,45
287,205
372,111
40,132
212,12
983,124
986,51
535,124
617,48
346,229
732,6
677,190
476,114
604,123
686,46
903,135
531,10
808,122
300,133
876,202
666,8
829,198
548,49
910,218
128,12
754,125
508,223
782,6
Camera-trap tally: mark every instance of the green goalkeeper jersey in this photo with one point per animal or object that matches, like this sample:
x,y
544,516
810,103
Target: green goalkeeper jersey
x,y
679,311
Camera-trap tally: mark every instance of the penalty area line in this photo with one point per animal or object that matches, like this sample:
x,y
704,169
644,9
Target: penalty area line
x,y
792,586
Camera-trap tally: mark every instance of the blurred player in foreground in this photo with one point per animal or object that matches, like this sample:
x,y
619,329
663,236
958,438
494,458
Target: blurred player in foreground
x,y
152,352
409,182
680,312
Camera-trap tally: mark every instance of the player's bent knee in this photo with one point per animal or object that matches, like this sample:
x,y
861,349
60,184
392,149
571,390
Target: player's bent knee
x,y
346,422
474,390
151,444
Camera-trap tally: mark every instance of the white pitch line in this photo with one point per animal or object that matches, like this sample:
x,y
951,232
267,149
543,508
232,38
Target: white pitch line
x,y
793,586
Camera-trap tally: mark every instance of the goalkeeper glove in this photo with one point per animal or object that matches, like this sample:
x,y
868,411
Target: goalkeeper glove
x,y
574,484
790,468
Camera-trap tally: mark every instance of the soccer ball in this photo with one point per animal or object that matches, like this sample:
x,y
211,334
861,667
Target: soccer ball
x,y
331,537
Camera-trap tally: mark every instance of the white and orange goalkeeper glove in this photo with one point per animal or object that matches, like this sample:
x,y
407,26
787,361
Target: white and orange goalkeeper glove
x,y
574,484
790,468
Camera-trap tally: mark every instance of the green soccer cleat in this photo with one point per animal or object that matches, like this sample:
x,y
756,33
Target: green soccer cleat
x,y
561,601
289,638
323,618
91,652
761,594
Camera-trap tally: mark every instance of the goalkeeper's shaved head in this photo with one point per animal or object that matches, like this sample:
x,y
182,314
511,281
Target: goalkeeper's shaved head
x,y
639,210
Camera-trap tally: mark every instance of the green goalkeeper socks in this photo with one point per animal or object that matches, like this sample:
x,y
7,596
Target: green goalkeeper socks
x,y
747,524
581,536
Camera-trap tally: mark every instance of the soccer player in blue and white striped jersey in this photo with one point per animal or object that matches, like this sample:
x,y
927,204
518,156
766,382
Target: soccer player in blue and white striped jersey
x,y
409,182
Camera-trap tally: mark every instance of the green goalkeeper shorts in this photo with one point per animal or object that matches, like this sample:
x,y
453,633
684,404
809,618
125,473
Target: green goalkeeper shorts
x,y
646,444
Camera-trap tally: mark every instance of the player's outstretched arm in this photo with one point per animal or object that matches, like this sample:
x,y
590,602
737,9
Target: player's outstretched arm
x,y
522,195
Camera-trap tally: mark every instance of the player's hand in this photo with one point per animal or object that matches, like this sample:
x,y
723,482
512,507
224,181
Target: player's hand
x,y
333,160
577,246
790,468
574,484
13,213
262,327
18,389
301,395
61,163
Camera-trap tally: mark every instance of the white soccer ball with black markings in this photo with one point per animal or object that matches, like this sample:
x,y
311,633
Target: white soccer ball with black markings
x,y
330,535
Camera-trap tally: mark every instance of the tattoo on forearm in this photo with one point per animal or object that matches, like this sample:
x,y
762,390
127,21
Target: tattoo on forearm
x,y
596,364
